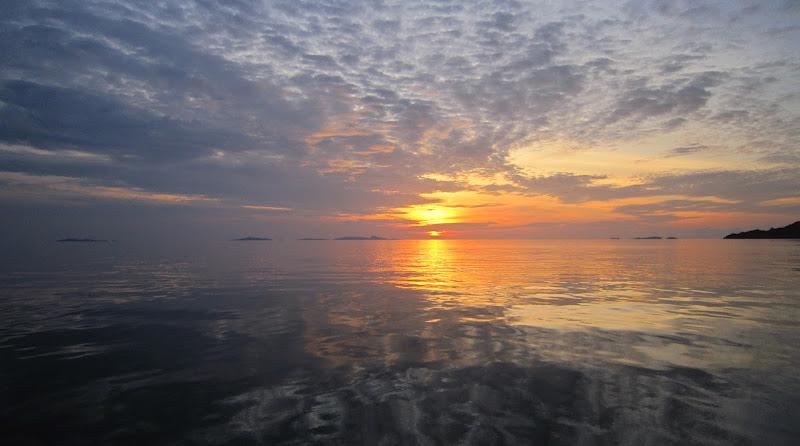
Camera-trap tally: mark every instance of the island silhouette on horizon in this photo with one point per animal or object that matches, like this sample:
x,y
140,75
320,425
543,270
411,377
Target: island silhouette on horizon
x,y
251,239
373,237
789,231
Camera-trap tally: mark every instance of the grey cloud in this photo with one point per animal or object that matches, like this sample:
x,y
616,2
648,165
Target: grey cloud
x,y
671,210
169,69
387,25
751,186
782,158
666,210
321,61
679,98
746,185
731,116
223,99
287,46
687,150
567,187
502,21
673,8
54,117
674,123
679,62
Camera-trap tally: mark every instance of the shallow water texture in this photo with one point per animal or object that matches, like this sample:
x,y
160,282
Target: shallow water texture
x,y
402,342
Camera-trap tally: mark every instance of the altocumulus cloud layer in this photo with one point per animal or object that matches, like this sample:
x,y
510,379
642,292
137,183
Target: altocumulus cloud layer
x,y
481,118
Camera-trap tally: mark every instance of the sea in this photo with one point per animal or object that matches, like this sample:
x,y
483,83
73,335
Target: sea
x,y
395,342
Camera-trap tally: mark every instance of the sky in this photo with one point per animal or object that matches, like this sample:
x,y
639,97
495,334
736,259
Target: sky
x,y
403,119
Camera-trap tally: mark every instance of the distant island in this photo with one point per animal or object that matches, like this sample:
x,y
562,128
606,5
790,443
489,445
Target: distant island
x,y
311,238
361,238
83,240
251,239
652,237
790,231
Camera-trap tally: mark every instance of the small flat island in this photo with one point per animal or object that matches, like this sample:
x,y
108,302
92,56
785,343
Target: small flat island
x,y
251,239
83,240
790,231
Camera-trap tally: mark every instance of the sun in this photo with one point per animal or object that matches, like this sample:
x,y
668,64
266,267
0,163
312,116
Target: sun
x,y
435,233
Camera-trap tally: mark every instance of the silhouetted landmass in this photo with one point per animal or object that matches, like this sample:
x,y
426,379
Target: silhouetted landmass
x,y
251,239
790,231
83,240
362,238
672,238
311,238
652,237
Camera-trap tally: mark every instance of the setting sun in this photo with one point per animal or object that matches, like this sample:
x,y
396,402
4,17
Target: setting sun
x,y
435,233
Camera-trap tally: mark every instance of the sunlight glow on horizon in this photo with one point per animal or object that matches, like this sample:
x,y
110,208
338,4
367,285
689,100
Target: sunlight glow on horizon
x,y
425,215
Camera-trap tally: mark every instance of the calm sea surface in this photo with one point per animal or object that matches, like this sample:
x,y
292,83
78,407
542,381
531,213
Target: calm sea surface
x,y
402,342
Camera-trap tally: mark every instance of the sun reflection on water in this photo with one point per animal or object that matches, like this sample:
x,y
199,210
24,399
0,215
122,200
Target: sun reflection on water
x,y
617,330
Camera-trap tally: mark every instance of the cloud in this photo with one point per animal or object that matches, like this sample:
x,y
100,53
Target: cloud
x,y
326,106
687,150
23,186
57,118
682,97
670,210
21,151
750,186
261,207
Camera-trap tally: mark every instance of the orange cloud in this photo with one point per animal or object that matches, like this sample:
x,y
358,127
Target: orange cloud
x,y
376,150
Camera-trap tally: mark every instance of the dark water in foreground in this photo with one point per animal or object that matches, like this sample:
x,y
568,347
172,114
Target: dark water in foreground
x,y
403,342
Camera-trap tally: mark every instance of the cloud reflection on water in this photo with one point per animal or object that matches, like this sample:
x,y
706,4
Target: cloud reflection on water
x,y
407,342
